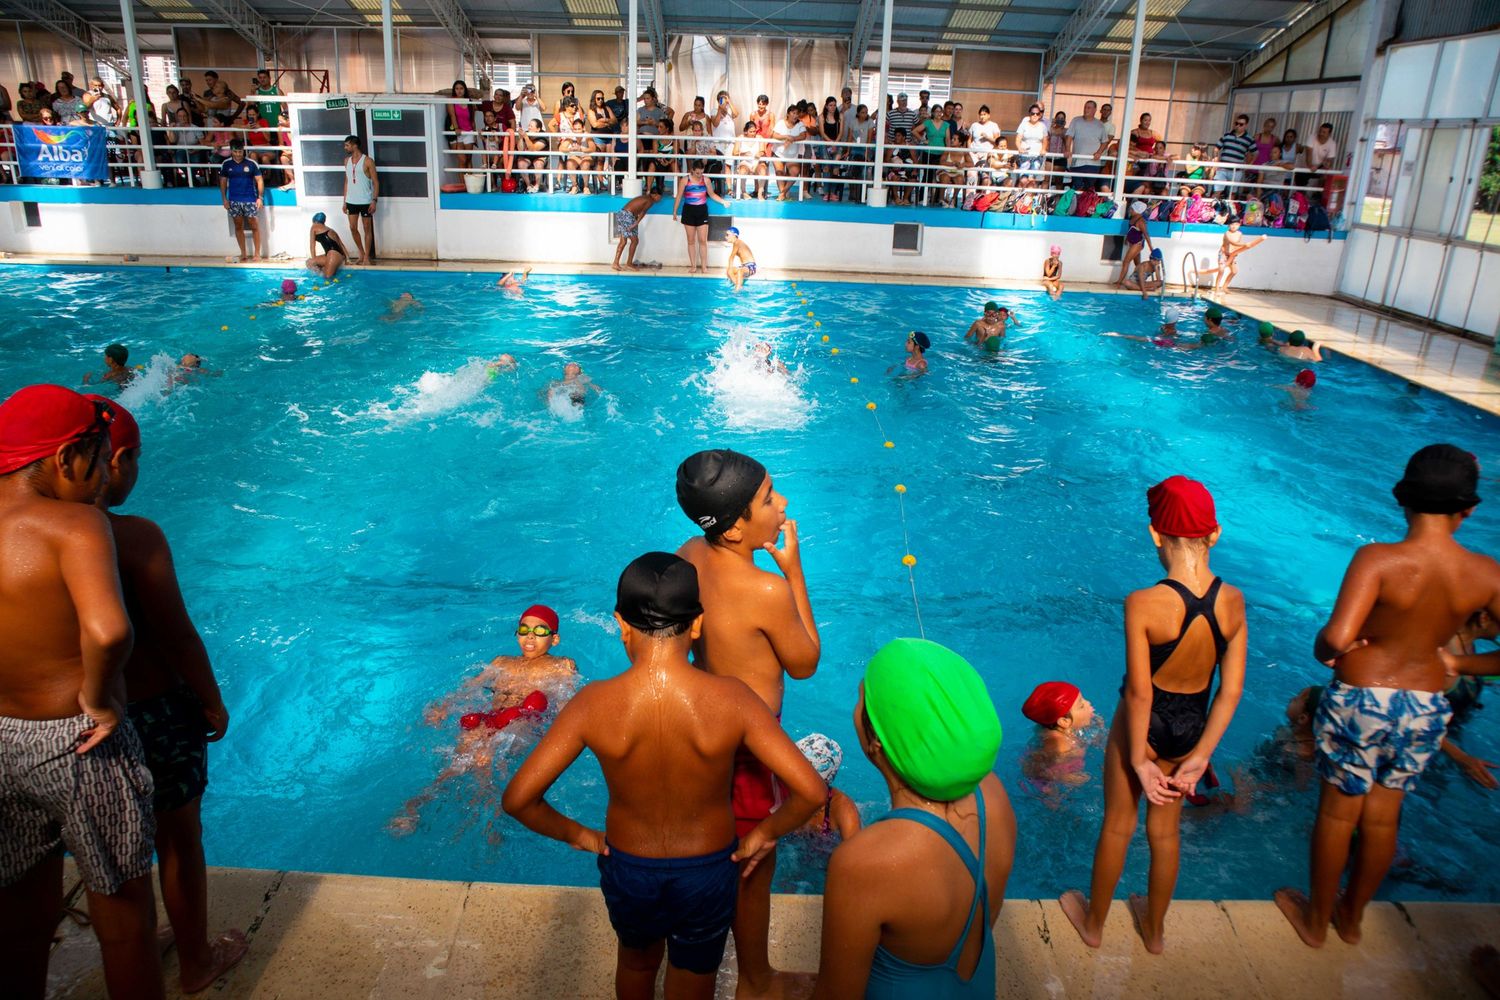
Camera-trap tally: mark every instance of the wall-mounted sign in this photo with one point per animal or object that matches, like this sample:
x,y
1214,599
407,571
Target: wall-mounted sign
x,y
336,103
386,114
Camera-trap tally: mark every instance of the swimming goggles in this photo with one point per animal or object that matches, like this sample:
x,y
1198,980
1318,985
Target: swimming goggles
x,y
540,631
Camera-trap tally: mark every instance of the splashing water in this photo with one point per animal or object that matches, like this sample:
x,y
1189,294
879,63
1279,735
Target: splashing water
x,y
750,393
435,394
150,384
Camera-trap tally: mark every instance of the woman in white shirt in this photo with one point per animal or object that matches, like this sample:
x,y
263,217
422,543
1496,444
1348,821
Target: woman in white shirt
x,y
721,124
860,127
750,161
788,149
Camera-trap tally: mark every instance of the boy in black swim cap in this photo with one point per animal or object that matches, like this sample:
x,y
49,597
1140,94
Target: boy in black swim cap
x,y
670,858
758,627
1384,715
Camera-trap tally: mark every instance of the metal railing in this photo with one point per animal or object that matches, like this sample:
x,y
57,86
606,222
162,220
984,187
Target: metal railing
x,y
195,165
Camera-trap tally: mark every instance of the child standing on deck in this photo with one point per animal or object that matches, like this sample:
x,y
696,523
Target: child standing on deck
x,y
1384,715
1177,633
667,736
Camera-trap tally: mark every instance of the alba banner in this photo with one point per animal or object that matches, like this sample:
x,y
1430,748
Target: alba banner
x,y
75,152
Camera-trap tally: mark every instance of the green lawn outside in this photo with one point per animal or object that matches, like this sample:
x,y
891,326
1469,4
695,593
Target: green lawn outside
x,y
1484,227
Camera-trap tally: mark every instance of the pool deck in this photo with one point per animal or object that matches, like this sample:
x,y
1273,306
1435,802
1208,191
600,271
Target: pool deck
x,y
1464,369
341,936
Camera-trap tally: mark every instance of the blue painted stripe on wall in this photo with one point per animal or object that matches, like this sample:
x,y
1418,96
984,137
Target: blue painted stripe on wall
x,y
60,195
822,211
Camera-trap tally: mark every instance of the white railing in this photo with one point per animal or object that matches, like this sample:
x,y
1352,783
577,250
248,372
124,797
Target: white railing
x,y
184,166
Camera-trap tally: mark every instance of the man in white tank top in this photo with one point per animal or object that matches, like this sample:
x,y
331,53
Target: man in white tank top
x,y
361,189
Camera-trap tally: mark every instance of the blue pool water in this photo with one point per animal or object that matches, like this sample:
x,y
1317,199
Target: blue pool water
x,y
359,514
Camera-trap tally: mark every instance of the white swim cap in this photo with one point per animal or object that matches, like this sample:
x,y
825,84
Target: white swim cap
x,y
1138,207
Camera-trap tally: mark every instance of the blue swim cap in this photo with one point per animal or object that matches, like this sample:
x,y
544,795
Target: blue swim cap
x,y
1155,254
731,231
320,218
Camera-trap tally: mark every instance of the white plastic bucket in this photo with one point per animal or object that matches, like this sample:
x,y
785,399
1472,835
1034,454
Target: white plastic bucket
x,y
474,183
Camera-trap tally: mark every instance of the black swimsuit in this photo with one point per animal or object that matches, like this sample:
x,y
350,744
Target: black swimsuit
x,y
327,243
1177,720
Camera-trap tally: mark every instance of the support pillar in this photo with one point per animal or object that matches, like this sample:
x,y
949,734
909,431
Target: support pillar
x,y
149,175
877,196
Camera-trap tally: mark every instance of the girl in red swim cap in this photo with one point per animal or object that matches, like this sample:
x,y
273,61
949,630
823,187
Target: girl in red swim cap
x,y
1178,633
519,689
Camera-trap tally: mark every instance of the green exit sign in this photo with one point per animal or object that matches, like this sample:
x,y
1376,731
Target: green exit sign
x,y
386,114
336,103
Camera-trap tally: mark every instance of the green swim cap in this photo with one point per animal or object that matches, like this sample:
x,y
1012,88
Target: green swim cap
x,y
1297,339
1208,338
1214,313
1267,328
990,307
933,717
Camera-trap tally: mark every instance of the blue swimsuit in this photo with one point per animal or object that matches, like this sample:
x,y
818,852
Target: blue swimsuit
x,y
892,978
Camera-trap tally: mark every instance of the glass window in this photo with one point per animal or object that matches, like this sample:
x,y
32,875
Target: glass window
x,y
1350,39
1483,227
1467,66
1271,72
1436,177
1336,99
1408,77
1305,59
1385,166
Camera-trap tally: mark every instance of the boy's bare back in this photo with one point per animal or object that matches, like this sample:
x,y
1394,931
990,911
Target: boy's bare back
x,y
666,739
1406,599
55,557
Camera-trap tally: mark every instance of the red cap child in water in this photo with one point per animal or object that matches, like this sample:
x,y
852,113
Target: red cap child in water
x,y
1063,717
1301,389
528,688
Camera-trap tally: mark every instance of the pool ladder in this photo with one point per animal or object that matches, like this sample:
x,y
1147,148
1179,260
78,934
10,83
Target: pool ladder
x,y
1190,288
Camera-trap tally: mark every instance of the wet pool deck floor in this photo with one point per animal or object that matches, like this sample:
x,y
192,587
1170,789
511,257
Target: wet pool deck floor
x,y
337,936
341,936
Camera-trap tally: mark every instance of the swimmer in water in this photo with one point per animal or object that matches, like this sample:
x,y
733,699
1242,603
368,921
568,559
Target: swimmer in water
x,y
741,263
1301,388
288,294
839,815
1052,272
504,363
116,368
989,330
1213,318
511,283
1168,338
1299,347
513,689
917,343
189,369
1063,717
765,355
574,383
403,302
1266,336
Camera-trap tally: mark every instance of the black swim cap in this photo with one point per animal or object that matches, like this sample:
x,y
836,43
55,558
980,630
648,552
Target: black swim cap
x,y
1440,479
658,591
714,488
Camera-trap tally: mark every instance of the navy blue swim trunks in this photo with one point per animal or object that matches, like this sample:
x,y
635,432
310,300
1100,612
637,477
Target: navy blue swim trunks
x,y
687,901
174,734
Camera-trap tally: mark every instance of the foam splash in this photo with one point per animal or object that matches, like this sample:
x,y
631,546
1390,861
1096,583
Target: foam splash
x,y
434,394
561,404
149,385
747,394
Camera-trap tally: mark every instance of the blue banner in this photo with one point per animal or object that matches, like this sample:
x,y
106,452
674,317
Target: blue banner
x,y
75,152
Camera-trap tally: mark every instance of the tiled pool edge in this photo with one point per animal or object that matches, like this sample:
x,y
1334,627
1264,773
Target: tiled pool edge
x,y
337,936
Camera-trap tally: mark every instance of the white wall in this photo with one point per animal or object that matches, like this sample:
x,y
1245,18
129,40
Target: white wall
x,y
1284,263
1457,283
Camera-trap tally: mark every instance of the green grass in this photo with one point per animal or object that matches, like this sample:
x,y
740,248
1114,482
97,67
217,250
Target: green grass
x,y
1484,227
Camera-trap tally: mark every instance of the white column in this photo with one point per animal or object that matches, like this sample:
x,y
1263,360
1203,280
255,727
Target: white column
x,y
387,37
877,194
1124,127
150,176
631,188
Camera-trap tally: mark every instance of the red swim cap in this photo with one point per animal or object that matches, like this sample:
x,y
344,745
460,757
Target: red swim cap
x,y
40,419
124,432
1050,702
546,614
1307,378
1182,507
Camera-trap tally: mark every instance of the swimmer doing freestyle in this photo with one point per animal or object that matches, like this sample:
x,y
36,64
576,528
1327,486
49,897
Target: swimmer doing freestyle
x,y
758,627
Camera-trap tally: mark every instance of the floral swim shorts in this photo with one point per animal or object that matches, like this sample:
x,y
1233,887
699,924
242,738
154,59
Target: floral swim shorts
x,y
1369,735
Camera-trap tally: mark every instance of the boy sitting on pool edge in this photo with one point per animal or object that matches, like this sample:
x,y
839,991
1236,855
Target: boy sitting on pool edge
x,y
739,251
517,687
666,735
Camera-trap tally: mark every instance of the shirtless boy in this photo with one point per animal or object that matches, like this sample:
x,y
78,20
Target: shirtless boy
x,y
1384,715
400,304
989,330
667,736
517,689
757,627
115,368
71,770
1229,254
1298,346
741,263
627,222
175,706
574,384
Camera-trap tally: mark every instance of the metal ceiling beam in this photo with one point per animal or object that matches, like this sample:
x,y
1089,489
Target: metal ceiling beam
x,y
864,29
1287,36
1074,37
452,17
69,26
655,28
243,20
